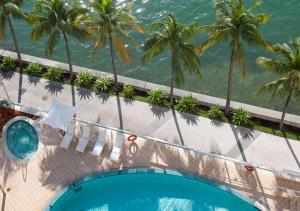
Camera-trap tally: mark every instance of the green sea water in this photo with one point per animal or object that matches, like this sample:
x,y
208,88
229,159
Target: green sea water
x,y
283,25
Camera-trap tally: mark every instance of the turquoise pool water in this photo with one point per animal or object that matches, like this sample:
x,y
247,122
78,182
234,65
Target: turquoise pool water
x,y
148,192
22,139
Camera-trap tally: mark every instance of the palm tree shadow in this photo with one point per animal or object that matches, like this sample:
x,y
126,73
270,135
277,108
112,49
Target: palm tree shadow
x,y
190,118
119,111
54,87
128,101
292,150
216,123
21,90
177,127
7,165
158,112
7,75
33,80
238,142
103,97
84,93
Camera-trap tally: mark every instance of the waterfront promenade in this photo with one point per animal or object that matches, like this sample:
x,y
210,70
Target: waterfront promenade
x,y
177,128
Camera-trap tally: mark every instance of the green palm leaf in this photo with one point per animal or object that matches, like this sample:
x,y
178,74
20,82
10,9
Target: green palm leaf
x,y
288,67
109,23
237,24
173,36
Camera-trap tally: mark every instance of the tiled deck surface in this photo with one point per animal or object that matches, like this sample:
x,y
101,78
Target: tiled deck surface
x,y
177,128
34,184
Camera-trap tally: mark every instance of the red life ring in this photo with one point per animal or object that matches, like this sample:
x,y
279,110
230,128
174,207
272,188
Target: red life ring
x,y
132,138
249,168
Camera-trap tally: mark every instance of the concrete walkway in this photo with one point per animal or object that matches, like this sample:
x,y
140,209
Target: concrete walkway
x,y
189,130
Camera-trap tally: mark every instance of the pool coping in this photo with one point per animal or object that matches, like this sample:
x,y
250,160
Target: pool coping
x,y
4,131
152,170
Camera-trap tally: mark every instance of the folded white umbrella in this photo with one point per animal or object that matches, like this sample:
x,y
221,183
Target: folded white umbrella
x,y
60,115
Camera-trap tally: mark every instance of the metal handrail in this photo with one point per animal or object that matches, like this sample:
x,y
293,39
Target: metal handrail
x,y
222,179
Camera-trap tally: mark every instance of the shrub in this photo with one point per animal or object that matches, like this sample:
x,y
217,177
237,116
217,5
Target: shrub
x,y
34,69
215,113
188,104
242,117
157,97
55,73
128,91
4,103
103,84
8,64
84,79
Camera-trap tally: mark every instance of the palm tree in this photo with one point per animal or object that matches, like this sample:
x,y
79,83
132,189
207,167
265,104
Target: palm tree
x,y
111,23
236,24
57,19
288,65
9,8
173,36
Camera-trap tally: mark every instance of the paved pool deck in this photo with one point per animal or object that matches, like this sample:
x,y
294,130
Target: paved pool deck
x,y
174,127
32,185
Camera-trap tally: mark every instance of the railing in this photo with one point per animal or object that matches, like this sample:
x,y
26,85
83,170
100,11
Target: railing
x,y
220,179
276,172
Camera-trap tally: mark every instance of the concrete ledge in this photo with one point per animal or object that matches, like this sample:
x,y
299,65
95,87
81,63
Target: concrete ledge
x,y
257,112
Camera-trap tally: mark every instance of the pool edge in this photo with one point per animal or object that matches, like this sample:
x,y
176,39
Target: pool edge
x,y
4,133
154,170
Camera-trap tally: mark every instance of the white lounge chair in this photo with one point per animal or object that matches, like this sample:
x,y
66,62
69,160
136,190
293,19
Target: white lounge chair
x,y
99,143
68,137
117,148
84,139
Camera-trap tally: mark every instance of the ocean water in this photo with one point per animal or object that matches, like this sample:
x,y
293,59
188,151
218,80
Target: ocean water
x,y
283,25
149,192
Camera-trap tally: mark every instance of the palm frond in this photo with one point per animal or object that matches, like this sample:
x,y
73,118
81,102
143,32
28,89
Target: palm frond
x,y
270,64
39,30
52,41
256,5
154,46
122,50
215,38
189,30
100,40
188,56
277,88
125,36
109,19
15,10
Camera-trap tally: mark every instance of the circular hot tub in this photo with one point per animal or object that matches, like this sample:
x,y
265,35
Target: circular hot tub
x,y
20,137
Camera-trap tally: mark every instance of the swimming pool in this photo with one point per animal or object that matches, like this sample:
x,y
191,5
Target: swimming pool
x,y
20,138
153,190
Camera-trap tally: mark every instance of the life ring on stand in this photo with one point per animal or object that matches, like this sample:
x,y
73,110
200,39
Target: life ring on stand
x,y
132,138
249,168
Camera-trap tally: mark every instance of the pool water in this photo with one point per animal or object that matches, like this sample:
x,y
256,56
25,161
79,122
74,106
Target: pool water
x,y
22,139
148,192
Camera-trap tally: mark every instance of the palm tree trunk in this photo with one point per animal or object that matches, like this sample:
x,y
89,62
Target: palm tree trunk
x,y
229,87
172,90
174,56
113,61
285,109
70,66
69,56
15,40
